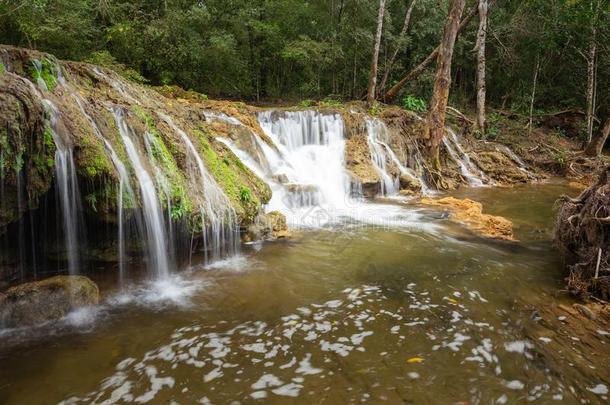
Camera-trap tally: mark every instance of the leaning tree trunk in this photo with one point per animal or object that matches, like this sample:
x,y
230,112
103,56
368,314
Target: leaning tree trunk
x,y
370,95
435,122
480,48
414,73
595,147
401,37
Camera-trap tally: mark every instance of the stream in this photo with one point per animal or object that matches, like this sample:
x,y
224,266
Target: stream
x,y
418,312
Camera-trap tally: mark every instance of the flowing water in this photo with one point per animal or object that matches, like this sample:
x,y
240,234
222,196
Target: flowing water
x,y
153,218
339,314
377,140
473,175
219,222
67,190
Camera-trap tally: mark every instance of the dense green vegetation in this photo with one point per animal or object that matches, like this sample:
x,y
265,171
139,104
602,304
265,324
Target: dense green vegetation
x,y
267,49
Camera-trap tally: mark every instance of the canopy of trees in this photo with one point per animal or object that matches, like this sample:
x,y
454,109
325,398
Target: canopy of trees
x,y
289,49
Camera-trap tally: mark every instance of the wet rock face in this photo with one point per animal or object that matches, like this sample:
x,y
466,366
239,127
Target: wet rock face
x,y
500,168
25,153
46,300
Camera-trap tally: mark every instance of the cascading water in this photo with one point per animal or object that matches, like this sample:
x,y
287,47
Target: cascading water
x,y
469,170
67,187
310,156
124,182
377,140
153,218
219,221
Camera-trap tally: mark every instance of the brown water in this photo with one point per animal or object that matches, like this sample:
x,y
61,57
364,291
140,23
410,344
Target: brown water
x,y
342,315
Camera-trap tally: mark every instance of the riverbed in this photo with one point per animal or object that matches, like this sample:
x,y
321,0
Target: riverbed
x,y
354,311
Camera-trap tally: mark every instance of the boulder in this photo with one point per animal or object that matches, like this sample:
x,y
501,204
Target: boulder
x,y
408,183
269,226
45,300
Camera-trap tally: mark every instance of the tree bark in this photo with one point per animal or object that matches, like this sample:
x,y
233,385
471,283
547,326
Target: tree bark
x,y
595,147
480,47
403,32
370,95
391,94
434,129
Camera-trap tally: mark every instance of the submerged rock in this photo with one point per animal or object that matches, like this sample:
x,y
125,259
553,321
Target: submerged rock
x,y
45,300
471,214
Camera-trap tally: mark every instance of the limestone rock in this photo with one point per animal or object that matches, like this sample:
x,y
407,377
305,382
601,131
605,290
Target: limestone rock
x,y
45,300
269,226
470,213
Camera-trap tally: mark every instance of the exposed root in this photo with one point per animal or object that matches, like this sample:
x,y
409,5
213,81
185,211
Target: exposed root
x,y
583,237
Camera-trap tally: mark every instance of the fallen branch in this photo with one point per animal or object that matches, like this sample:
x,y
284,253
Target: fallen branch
x,y
456,113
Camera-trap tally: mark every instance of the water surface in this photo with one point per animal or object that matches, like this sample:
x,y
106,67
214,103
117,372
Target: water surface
x,y
344,314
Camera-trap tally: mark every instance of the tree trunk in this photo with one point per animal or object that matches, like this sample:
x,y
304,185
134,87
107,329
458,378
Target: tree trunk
x,y
537,68
591,75
417,70
595,147
370,95
403,32
480,47
434,130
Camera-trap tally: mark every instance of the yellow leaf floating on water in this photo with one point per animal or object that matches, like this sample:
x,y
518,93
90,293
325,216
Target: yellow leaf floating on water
x,y
451,300
415,360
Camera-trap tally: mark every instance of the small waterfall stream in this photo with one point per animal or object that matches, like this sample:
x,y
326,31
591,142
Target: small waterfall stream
x,y
67,188
219,221
153,218
469,170
124,183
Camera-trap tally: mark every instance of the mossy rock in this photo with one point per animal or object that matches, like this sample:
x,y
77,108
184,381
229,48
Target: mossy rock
x,y
46,300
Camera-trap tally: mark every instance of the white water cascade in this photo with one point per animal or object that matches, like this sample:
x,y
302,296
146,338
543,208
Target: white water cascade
x,y
67,188
469,170
219,221
124,183
153,218
309,154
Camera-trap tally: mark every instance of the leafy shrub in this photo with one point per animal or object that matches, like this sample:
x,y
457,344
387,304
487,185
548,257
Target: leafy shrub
x,y
306,103
414,103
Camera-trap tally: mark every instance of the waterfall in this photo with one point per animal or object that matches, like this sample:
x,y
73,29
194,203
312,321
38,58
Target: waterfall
x,y
67,188
218,219
118,86
219,116
37,65
469,170
309,156
377,138
513,156
155,229
124,182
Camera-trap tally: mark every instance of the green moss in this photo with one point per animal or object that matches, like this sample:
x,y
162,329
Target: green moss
x,y
163,158
2,69
234,178
46,70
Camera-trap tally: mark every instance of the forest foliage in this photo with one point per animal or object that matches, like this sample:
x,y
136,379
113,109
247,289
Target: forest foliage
x,y
295,49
